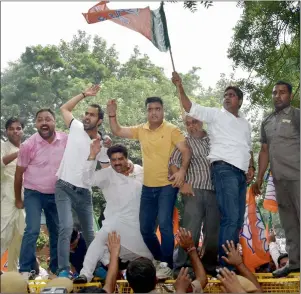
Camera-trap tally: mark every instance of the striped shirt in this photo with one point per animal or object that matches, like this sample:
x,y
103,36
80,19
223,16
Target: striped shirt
x,y
198,173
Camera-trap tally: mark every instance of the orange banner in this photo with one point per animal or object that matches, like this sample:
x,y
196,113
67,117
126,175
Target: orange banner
x,y
175,226
253,236
4,261
270,202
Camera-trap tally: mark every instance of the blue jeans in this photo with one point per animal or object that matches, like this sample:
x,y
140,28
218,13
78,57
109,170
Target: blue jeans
x,y
80,199
231,187
34,202
158,202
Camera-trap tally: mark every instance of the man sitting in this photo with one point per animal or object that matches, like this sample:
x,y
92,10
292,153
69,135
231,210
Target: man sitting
x,y
122,192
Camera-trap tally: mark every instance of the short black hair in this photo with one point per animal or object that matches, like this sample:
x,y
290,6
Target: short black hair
x,y
74,235
92,289
141,275
237,91
283,255
100,111
12,120
45,110
152,100
117,148
288,85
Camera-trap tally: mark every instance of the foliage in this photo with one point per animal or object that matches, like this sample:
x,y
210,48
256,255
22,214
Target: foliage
x,y
42,240
266,43
193,5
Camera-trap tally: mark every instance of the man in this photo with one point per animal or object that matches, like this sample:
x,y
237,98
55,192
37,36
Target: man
x,y
71,192
122,192
230,157
200,206
280,145
12,219
38,161
158,139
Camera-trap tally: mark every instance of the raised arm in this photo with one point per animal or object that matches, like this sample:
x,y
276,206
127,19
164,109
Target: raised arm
x,y
90,176
67,108
184,98
185,240
114,248
117,130
6,159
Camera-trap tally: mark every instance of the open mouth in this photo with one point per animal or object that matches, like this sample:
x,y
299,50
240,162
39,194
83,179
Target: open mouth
x,y
45,129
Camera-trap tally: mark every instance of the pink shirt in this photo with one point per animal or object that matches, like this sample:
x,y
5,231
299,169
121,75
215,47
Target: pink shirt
x,y
41,161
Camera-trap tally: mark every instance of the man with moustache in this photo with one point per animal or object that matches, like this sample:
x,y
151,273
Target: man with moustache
x,y
280,146
71,192
122,191
12,219
231,158
158,138
200,206
38,161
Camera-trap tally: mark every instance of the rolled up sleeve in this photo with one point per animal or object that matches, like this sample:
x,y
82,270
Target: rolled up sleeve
x,y
201,113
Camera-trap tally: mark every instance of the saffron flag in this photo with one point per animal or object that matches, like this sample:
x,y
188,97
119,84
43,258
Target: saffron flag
x,y
175,226
270,202
150,23
252,237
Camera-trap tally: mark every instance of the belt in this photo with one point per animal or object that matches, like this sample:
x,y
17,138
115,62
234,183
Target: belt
x,y
221,162
66,184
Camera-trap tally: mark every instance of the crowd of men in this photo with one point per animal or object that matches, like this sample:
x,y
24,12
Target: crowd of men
x,y
54,172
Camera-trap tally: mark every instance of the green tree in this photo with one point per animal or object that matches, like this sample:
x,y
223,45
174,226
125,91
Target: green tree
x,y
266,43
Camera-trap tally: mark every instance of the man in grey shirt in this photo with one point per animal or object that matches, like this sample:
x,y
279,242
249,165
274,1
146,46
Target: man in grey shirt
x,y
280,145
200,205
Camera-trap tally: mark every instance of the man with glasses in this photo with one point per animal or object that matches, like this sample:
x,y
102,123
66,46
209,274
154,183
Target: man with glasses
x,y
200,206
230,156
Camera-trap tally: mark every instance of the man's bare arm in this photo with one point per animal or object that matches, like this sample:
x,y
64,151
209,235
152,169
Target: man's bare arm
x,y
184,99
186,155
198,268
67,108
263,161
9,158
114,248
18,184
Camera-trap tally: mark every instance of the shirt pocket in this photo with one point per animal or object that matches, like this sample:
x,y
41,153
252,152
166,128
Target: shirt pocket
x,y
286,129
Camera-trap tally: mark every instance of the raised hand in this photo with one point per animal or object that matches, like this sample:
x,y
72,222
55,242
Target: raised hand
x,y
233,255
183,281
111,107
230,282
185,239
95,147
176,79
92,91
114,244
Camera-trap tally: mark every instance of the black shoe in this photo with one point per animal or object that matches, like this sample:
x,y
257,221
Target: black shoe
x,y
284,271
81,279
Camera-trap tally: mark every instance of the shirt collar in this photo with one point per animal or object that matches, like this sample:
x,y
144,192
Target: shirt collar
x,y
58,136
146,126
286,110
240,113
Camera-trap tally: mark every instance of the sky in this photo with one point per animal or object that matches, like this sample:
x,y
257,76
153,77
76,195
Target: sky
x,y
199,39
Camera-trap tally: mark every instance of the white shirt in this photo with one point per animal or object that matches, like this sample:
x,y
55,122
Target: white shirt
x,y
76,154
230,136
122,194
10,214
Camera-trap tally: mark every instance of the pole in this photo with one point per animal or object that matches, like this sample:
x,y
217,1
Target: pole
x,y
178,90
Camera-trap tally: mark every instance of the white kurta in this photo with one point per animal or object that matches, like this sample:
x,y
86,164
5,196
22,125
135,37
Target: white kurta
x,y
12,218
123,195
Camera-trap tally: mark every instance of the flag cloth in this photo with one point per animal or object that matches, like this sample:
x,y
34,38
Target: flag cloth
x,y
270,202
150,23
252,237
175,225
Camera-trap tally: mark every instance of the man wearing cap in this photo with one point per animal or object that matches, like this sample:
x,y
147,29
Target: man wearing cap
x,y
230,156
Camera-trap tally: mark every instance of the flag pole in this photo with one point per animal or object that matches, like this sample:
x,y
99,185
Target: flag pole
x,y
178,88
173,64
